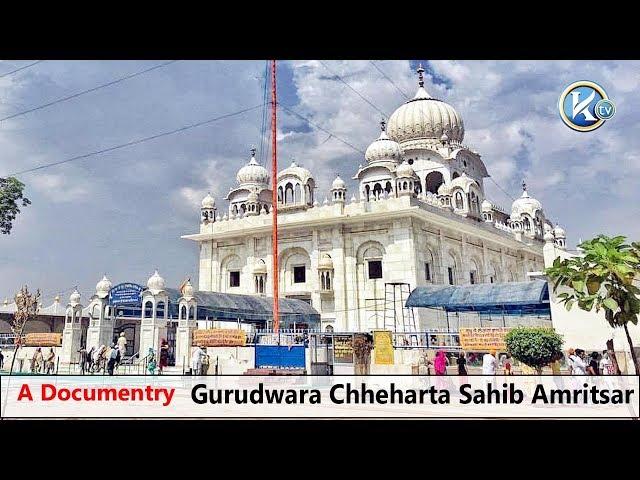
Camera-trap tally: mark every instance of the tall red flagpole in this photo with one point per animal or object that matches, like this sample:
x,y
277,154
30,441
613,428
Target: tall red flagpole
x,y
274,201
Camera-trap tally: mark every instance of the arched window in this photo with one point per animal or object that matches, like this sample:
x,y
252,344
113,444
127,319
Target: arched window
x,y
328,329
377,191
243,207
459,201
388,188
367,191
418,188
183,312
148,309
455,175
527,224
405,186
288,193
451,269
433,182
297,195
160,309
280,194
234,209
192,312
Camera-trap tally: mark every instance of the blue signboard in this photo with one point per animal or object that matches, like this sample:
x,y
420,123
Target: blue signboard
x,y
126,294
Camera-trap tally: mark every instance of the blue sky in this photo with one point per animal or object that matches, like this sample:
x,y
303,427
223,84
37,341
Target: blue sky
x,y
122,213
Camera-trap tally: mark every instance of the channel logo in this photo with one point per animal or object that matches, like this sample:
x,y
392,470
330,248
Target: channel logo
x,y
584,106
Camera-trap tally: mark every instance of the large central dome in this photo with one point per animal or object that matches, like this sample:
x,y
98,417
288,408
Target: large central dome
x,y
424,117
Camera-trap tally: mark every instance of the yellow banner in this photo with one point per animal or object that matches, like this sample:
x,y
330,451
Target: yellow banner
x,y
483,339
383,344
219,337
43,339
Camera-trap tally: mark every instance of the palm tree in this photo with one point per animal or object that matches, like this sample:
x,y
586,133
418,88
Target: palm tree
x,y
602,278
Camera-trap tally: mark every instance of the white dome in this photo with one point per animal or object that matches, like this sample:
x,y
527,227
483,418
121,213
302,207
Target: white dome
x,y
559,232
463,182
404,170
548,236
338,184
444,189
486,205
425,117
187,290
208,201
297,171
260,268
383,148
155,284
253,173
525,204
74,298
325,263
103,287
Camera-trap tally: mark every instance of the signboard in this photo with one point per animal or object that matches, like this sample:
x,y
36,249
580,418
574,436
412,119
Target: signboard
x,y
43,339
126,294
219,337
383,344
483,339
343,349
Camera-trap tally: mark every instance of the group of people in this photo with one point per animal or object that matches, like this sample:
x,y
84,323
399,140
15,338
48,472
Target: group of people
x,y
42,364
595,364
200,361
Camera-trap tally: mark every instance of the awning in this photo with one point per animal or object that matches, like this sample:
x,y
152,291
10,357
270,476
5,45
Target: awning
x,y
230,306
508,298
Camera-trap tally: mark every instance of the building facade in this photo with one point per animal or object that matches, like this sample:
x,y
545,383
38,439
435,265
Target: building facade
x,y
419,216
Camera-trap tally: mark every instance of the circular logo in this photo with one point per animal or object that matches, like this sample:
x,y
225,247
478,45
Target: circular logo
x,y
585,106
605,109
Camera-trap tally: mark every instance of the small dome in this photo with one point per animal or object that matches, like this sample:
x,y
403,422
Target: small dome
x,y
463,182
187,290
260,268
252,197
74,298
548,236
56,299
338,184
486,205
404,170
155,284
525,204
253,173
103,287
444,189
297,171
325,263
559,232
383,148
424,117
208,201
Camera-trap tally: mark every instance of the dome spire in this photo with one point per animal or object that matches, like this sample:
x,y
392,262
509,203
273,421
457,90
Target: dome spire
x,y
420,71
525,194
383,124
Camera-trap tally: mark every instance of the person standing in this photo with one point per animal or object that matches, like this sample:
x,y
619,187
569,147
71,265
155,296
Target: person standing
x,y
36,361
152,363
164,354
122,345
50,362
606,365
1,359
507,364
462,364
196,360
489,363
114,358
593,367
578,365
206,361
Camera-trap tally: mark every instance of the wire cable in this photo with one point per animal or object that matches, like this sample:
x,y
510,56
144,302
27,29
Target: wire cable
x,y
502,189
136,142
390,81
322,129
20,69
84,92
353,89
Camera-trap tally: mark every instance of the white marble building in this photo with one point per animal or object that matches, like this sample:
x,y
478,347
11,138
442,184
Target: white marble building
x,y
420,215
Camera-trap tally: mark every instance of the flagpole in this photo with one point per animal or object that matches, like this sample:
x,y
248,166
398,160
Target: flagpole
x,y
274,201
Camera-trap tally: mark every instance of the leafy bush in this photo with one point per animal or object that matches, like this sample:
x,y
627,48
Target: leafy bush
x,y
534,346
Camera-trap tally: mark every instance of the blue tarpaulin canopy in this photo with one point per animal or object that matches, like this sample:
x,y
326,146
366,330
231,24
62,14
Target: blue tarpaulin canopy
x,y
251,308
507,298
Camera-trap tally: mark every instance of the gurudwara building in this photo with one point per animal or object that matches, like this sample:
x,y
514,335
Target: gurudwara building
x,y
419,216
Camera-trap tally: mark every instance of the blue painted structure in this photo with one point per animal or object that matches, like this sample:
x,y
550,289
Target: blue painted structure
x,y
280,356
513,298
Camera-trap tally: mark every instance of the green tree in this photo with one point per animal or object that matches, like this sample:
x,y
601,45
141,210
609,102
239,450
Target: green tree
x,y
11,195
534,346
602,278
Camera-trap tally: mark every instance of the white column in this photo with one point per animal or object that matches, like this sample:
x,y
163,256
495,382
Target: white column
x,y
71,335
100,331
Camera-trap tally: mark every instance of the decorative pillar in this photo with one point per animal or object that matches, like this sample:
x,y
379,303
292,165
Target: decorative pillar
x,y
100,331
187,316
72,333
154,328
